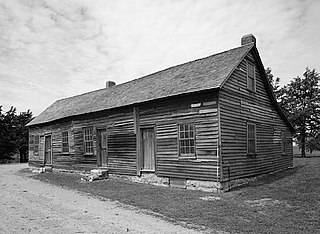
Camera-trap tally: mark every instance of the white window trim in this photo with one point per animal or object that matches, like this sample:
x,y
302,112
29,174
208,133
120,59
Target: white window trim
x,y
191,155
84,141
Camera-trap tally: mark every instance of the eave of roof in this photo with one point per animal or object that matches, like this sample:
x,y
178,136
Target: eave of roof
x,y
202,74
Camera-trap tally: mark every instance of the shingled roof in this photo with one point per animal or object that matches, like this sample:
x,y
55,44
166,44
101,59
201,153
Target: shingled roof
x,y
202,74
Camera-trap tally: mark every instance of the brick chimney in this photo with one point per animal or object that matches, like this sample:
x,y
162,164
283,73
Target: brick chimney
x,y
247,39
110,84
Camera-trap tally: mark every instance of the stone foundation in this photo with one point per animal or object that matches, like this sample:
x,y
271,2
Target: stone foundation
x,y
146,178
206,186
149,178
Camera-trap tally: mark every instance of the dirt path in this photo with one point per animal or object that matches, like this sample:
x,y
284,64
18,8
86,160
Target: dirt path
x,y
31,206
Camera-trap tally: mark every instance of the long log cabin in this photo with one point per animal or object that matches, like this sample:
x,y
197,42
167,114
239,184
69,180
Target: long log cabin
x,y
207,122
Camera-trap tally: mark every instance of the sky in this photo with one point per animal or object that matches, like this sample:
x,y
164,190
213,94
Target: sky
x,y
53,49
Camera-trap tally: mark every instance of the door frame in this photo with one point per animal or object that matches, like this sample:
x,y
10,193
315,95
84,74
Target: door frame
x,y
142,147
99,159
45,150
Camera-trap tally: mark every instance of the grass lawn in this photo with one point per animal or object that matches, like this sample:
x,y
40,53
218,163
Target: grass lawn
x,y
285,202
297,153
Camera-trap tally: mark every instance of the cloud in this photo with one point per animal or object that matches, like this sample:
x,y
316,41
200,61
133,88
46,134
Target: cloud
x,y
63,48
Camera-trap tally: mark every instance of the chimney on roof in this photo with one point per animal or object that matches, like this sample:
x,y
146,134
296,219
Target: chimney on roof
x,y
247,39
110,84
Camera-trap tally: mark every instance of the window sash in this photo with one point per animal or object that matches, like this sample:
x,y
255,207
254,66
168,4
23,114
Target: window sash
x,y
251,81
88,147
31,139
31,143
283,141
36,144
251,139
186,140
88,140
65,142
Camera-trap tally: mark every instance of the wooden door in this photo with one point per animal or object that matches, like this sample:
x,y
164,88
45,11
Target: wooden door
x,y
47,150
148,149
103,148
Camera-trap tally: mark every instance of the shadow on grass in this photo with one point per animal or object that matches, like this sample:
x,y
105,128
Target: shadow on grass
x,y
269,179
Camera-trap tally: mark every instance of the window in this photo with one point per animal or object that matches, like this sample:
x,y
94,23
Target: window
x,y
186,140
65,142
251,81
88,141
31,142
36,145
283,142
251,139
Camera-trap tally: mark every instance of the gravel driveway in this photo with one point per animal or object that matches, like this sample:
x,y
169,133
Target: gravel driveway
x,y
31,206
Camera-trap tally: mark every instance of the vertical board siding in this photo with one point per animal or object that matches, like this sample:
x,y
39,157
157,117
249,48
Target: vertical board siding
x,y
239,106
165,116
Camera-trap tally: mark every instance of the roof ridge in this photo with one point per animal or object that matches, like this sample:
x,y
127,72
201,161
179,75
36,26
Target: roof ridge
x,y
199,74
154,73
192,61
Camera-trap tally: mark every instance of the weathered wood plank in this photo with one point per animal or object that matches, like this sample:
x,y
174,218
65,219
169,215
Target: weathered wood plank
x,y
237,106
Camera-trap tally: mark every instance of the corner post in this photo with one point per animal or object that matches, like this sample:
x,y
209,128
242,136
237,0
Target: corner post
x,y
219,153
138,140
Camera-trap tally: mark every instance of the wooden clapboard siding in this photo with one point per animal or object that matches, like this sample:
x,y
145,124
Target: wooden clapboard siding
x,y
55,132
122,155
121,141
239,106
165,116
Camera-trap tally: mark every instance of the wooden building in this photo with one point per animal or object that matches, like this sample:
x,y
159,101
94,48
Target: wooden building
x,y
212,120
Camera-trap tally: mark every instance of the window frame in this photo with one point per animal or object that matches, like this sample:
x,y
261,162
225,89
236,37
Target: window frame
x,y
248,63
187,139
88,141
254,153
31,143
283,141
65,142
36,144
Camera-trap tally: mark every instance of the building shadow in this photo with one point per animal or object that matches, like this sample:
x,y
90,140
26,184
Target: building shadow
x,y
268,178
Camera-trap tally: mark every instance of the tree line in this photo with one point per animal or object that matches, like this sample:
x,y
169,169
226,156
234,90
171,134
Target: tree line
x,y
300,101
14,134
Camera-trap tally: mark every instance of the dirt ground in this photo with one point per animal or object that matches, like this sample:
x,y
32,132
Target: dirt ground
x,y
31,206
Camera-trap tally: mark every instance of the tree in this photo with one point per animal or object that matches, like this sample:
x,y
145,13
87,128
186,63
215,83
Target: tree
x,y
313,143
22,134
14,133
275,83
301,102
7,138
